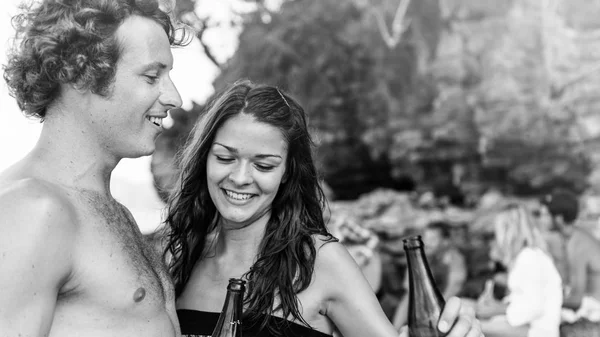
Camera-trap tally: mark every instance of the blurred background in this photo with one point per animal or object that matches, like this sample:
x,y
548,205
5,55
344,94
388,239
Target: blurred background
x,y
422,110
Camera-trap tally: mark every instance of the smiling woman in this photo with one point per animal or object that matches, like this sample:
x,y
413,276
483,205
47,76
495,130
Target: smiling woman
x,y
245,169
248,204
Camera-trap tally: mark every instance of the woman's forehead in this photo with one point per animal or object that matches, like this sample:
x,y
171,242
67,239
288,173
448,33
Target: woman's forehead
x,y
245,134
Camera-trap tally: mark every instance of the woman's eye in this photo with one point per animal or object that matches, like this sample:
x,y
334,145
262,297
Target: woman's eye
x,y
224,159
264,167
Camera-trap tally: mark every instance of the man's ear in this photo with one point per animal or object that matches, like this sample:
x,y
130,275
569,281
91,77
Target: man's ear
x,y
559,220
79,87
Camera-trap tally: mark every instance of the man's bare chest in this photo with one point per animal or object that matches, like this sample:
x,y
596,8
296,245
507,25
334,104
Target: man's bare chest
x,y
113,256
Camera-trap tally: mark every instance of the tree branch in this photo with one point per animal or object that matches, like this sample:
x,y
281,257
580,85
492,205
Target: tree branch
x,y
200,26
559,90
399,25
205,47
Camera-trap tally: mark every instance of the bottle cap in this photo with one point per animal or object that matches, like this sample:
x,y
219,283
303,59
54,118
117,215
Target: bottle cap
x,y
236,284
413,242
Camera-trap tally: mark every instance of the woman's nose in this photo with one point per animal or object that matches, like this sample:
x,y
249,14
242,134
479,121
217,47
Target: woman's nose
x,y
241,174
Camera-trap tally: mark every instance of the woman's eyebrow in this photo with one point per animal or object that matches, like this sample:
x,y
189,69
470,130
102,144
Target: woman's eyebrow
x,y
262,156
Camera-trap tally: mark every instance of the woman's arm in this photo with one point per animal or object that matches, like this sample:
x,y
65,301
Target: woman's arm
x,y
351,305
350,302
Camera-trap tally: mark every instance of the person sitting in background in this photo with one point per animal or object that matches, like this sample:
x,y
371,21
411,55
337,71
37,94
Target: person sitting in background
x,y
362,246
446,263
577,253
533,305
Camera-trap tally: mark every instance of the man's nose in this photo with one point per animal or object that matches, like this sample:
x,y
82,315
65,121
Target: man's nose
x,y
170,95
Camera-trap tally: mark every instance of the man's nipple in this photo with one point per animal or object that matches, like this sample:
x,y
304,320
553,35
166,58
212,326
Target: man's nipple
x,y
139,294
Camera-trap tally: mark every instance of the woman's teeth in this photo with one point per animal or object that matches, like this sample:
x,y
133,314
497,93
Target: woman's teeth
x,y
156,121
238,196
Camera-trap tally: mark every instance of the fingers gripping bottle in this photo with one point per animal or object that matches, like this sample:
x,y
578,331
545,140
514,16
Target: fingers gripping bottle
x,y
230,320
425,300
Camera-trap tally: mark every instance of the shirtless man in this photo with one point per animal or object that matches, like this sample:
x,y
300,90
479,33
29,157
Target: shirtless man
x,y
72,259
576,252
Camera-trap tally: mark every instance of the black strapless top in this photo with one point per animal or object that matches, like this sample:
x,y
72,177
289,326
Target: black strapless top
x,y
196,323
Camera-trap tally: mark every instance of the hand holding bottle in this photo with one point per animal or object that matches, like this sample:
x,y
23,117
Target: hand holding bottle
x,y
461,318
428,314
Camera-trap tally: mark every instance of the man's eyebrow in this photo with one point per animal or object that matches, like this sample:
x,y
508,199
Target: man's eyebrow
x,y
234,150
154,65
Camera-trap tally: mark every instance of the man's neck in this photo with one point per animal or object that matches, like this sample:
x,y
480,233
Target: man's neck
x,y
73,160
567,230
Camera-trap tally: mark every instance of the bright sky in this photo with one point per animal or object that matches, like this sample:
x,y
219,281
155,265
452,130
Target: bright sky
x,y
193,74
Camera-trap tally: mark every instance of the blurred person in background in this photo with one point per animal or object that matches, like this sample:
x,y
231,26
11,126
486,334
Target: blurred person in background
x,y
73,261
577,253
248,205
362,244
533,305
446,262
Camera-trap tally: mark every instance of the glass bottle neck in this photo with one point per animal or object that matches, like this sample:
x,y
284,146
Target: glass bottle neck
x,y
234,304
422,282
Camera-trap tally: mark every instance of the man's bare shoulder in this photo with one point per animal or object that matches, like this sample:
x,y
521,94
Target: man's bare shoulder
x,y
33,206
38,233
584,248
584,239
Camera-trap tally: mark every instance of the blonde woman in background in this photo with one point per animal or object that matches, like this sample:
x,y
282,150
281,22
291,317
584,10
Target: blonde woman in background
x,y
533,305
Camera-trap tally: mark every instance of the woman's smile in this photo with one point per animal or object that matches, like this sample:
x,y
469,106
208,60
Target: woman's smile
x,y
238,198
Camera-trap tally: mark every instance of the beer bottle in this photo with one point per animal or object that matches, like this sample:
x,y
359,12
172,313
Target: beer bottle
x,y
425,302
230,319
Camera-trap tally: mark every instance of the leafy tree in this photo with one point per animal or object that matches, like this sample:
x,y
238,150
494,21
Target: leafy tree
x,y
384,85
331,56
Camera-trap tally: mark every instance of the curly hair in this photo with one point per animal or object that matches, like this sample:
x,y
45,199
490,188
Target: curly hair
x,y
71,42
285,262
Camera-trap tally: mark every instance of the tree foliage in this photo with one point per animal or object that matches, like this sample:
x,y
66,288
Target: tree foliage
x,y
500,82
330,55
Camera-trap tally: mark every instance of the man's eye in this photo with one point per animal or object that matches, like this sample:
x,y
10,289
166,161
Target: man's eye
x,y
151,79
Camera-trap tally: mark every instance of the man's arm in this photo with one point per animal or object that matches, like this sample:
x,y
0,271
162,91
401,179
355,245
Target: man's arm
x,y
36,234
457,273
401,314
578,264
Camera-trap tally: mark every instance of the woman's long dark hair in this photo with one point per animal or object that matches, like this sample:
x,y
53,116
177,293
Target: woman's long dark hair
x,y
285,262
